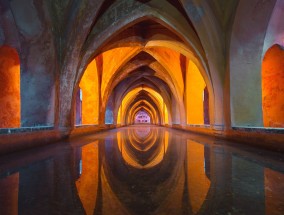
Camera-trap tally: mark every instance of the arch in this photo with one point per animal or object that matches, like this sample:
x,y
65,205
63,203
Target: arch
x,y
148,106
195,85
142,116
272,87
10,101
245,62
127,102
89,86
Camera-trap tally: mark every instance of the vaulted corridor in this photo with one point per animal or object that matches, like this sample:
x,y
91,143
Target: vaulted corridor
x,y
70,69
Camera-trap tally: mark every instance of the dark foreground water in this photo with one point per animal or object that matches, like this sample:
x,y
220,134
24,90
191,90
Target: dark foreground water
x,y
142,170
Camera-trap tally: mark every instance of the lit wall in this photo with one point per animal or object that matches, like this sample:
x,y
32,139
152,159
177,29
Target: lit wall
x,y
273,87
90,90
194,95
10,102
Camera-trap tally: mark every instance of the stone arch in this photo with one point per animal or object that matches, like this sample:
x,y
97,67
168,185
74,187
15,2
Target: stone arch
x,y
252,18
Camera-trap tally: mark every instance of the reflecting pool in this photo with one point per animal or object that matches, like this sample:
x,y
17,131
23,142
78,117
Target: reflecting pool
x,y
142,170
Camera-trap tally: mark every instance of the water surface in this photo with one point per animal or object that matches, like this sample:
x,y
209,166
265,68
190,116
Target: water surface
x,y
142,170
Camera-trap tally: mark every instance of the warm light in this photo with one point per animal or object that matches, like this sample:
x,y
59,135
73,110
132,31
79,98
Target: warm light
x,y
9,194
112,61
194,95
87,184
274,189
10,101
160,145
90,94
131,95
198,183
170,59
273,87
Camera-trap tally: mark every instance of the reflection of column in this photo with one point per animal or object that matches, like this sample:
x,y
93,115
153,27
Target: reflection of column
x,y
219,197
87,184
9,189
65,197
248,186
198,182
36,188
274,190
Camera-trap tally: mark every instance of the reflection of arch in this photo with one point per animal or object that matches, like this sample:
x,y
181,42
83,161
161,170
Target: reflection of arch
x,y
272,87
87,183
10,102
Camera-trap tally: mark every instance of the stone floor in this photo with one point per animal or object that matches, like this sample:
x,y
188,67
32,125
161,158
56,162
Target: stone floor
x,y
142,170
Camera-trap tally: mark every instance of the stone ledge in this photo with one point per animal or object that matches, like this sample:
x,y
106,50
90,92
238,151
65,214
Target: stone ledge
x,y
24,129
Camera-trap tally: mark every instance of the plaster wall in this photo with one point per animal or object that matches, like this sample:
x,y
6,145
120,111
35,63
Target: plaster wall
x,y
272,87
194,95
90,91
249,29
10,102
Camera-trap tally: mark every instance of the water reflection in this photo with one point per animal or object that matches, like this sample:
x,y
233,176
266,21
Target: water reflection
x,y
142,170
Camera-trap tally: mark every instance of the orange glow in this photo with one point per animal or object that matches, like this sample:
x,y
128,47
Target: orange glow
x,y
90,90
153,142
194,95
274,190
10,101
87,184
131,95
112,61
137,107
9,187
170,59
166,115
273,87
198,183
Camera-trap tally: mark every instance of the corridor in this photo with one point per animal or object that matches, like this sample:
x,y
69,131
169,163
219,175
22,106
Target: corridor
x,y
142,170
141,107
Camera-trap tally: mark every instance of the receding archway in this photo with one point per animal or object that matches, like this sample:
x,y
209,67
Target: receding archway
x,y
142,117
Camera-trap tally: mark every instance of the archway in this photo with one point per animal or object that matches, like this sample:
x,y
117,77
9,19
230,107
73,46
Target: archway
x,y
272,87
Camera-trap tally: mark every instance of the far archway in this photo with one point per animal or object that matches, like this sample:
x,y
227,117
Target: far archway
x,y
142,117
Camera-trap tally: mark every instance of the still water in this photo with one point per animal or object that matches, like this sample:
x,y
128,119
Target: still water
x,y
142,170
